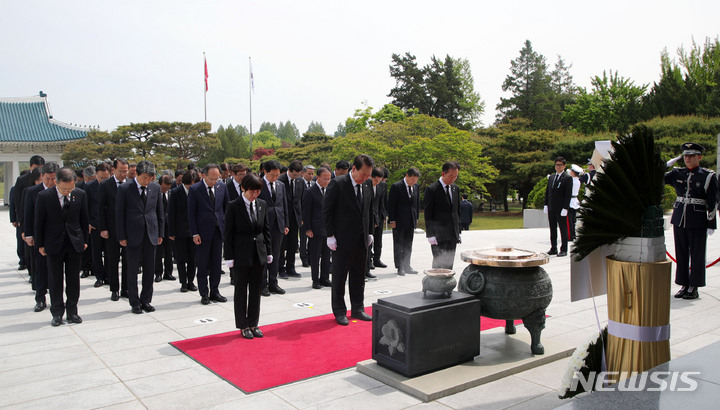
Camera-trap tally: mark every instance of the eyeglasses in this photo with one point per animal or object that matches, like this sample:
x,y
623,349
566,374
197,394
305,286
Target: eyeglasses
x,y
559,165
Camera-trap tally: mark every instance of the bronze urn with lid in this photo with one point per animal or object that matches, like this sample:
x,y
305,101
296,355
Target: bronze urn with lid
x,y
510,284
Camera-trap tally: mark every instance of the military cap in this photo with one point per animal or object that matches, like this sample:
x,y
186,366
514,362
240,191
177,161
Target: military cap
x,y
577,169
691,148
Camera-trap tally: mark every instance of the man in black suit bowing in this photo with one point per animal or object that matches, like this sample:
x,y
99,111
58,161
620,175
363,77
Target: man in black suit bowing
x,y
97,243
61,233
207,201
380,201
314,228
294,190
442,216
140,221
273,193
306,181
179,231
557,203
403,213
349,223
233,182
107,199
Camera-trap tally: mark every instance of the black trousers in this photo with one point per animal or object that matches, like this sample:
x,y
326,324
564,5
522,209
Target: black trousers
x,y
30,259
164,258
319,258
209,263
246,299
572,220
402,247
690,246
145,254
348,264
271,269
185,257
304,251
20,246
40,278
113,252
377,243
65,265
561,222
86,264
98,247
443,254
289,247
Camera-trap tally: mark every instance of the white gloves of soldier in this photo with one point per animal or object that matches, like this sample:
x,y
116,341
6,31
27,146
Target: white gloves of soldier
x,y
370,240
230,263
270,259
563,212
710,231
673,161
332,243
545,209
432,240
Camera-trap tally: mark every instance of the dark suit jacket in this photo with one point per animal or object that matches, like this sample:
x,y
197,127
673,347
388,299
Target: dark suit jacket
x,y
278,217
178,224
242,238
91,190
343,218
51,226
557,196
132,216
107,198
401,209
294,197
379,202
312,211
233,193
442,219
466,212
21,184
29,203
202,216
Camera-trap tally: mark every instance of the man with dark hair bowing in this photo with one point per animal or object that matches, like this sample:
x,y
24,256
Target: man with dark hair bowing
x,y
62,230
442,216
349,223
140,221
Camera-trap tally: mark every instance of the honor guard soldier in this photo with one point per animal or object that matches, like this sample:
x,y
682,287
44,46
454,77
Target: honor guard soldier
x,y
693,218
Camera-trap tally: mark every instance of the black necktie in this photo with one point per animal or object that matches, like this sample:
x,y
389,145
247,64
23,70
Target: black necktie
x,y
65,207
143,195
447,192
165,201
359,197
410,192
323,192
557,178
272,190
253,217
212,196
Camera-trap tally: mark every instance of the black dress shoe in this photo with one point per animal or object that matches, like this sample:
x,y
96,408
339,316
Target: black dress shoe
x,y
137,310
22,267
265,291
401,272
256,332
370,275
316,285
85,274
124,294
294,275
218,298
361,316
99,283
552,251
342,320
691,293
371,266
247,333
379,264
169,277
40,306
158,278
183,288
276,289
148,307
561,254
411,271
191,287
56,321
681,292
114,296
304,265
74,318
283,275
205,300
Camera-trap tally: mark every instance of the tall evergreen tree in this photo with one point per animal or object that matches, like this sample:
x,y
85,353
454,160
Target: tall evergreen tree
x,y
315,128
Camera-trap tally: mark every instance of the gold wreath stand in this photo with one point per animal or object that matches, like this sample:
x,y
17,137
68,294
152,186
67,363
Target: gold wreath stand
x,y
638,294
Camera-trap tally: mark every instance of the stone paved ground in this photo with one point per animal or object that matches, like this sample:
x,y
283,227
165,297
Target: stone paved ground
x,y
116,359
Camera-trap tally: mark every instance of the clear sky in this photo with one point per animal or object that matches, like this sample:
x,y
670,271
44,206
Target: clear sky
x,y
110,62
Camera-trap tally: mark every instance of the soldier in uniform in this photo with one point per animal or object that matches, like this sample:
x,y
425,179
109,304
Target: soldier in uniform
x,y
693,218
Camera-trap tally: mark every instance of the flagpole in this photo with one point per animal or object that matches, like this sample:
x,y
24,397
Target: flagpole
x,y
205,76
250,93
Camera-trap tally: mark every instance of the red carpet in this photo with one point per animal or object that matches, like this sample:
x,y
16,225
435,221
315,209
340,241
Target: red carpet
x,y
289,352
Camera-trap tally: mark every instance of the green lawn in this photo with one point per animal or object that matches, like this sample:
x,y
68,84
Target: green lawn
x,y
490,220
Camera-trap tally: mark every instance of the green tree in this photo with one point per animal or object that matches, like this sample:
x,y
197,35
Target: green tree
x,y
315,128
310,149
288,132
189,142
265,139
613,105
234,143
410,90
341,130
268,126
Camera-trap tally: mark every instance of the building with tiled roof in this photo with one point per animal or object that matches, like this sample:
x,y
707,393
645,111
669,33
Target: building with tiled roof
x,y
27,128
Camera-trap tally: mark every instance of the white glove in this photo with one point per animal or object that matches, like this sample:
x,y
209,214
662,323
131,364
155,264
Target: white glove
x,y
270,259
370,240
545,209
673,161
432,240
710,231
332,243
230,263
563,212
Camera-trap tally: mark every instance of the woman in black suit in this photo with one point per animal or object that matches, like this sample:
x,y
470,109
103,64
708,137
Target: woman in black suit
x,y
247,249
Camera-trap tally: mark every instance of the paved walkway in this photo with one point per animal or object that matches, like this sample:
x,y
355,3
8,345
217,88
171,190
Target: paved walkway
x,y
116,359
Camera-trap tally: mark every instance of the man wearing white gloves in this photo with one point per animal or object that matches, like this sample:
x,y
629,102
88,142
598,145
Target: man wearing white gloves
x,y
349,223
693,218
442,216
557,202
